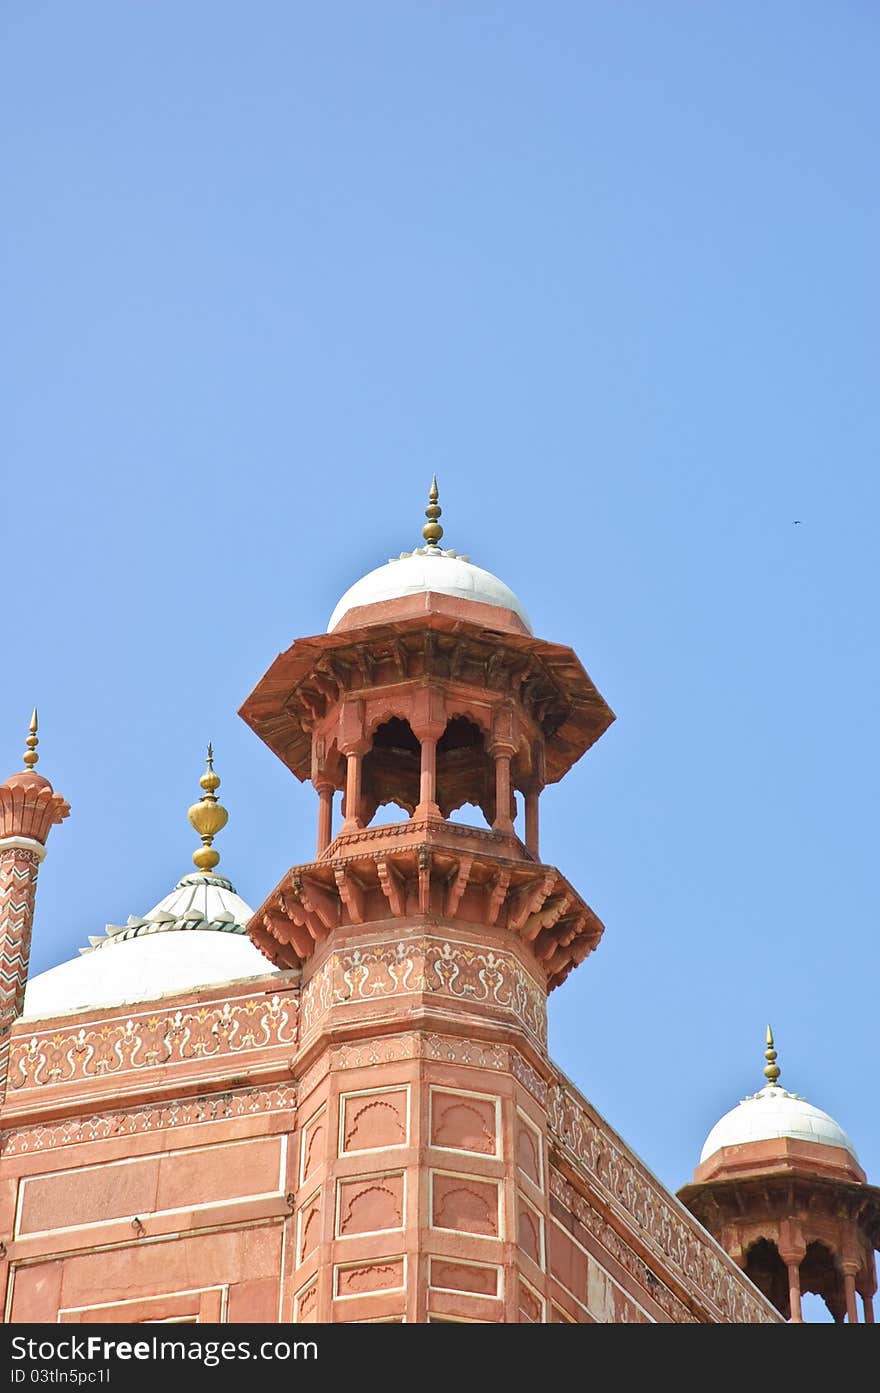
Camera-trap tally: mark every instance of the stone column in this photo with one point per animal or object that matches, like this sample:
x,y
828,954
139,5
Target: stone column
x,y
532,797
503,821
868,1308
428,722
354,763
428,778
849,1287
325,815
794,1292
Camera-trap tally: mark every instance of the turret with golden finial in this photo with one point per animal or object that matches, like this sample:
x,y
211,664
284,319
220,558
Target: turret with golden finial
x,y
771,1068
208,817
432,530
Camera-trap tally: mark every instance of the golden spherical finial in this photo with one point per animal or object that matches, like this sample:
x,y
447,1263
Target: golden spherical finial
x,y
208,817
771,1068
30,755
432,531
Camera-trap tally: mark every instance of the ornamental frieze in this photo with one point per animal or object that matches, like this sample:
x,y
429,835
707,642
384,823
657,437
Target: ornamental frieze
x,y
577,1205
643,1206
477,976
122,1045
159,1117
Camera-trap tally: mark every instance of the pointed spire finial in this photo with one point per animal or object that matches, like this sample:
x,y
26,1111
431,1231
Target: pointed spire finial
x,y
771,1068
432,531
208,817
30,755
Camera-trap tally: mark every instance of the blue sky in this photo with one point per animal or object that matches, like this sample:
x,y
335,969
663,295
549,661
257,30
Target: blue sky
x,y
611,271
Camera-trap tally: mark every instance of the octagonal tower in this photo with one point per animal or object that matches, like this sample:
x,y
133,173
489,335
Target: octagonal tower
x,y
427,947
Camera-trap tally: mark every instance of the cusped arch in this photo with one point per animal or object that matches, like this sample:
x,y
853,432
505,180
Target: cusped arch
x,y
764,1266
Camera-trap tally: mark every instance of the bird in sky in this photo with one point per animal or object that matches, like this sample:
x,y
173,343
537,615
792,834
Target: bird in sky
x,y
796,523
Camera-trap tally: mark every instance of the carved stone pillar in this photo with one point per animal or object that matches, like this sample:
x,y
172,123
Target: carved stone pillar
x,y
532,837
503,821
794,1292
849,1287
325,815
427,806
792,1248
428,722
353,770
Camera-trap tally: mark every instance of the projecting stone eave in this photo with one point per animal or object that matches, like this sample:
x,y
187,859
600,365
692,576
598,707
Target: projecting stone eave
x,y
431,877
729,1197
302,683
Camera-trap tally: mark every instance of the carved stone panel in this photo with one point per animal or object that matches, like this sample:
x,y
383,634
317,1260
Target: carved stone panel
x,y
463,1121
529,1150
529,1230
358,1279
373,1120
531,1303
465,1204
370,1204
314,1141
479,1279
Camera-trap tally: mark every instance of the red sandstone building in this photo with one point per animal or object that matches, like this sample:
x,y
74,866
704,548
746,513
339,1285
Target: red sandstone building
x,y
339,1106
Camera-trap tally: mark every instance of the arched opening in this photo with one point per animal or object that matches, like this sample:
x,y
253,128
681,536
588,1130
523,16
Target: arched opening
x,y
768,1272
821,1275
391,771
386,813
465,770
470,815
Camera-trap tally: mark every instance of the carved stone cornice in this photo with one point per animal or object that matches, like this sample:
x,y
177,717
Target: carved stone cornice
x,y
315,675
372,877
744,1201
442,976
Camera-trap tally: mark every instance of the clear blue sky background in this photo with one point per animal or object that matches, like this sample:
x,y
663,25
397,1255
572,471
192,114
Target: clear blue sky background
x,y
609,269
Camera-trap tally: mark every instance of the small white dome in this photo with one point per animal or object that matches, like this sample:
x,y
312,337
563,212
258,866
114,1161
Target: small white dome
x,y
774,1112
428,569
194,937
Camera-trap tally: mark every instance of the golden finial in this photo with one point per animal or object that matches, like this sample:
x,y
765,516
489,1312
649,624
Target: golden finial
x,y
208,817
432,531
771,1068
30,755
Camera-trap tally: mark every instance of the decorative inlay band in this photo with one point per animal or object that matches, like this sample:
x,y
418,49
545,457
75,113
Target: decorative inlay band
x,y
125,1044
645,1208
186,1112
452,970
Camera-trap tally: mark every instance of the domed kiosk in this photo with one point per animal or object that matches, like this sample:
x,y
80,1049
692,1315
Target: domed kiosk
x,y
780,1186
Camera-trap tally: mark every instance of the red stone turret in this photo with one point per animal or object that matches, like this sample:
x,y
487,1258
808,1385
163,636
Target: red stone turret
x,y
29,806
428,700
780,1188
424,938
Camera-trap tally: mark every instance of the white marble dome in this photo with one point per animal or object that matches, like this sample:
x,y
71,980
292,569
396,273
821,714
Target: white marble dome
x,y
194,937
771,1113
429,569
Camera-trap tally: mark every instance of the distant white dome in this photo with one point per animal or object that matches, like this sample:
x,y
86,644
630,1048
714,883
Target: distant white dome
x,y
428,569
771,1113
194,937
